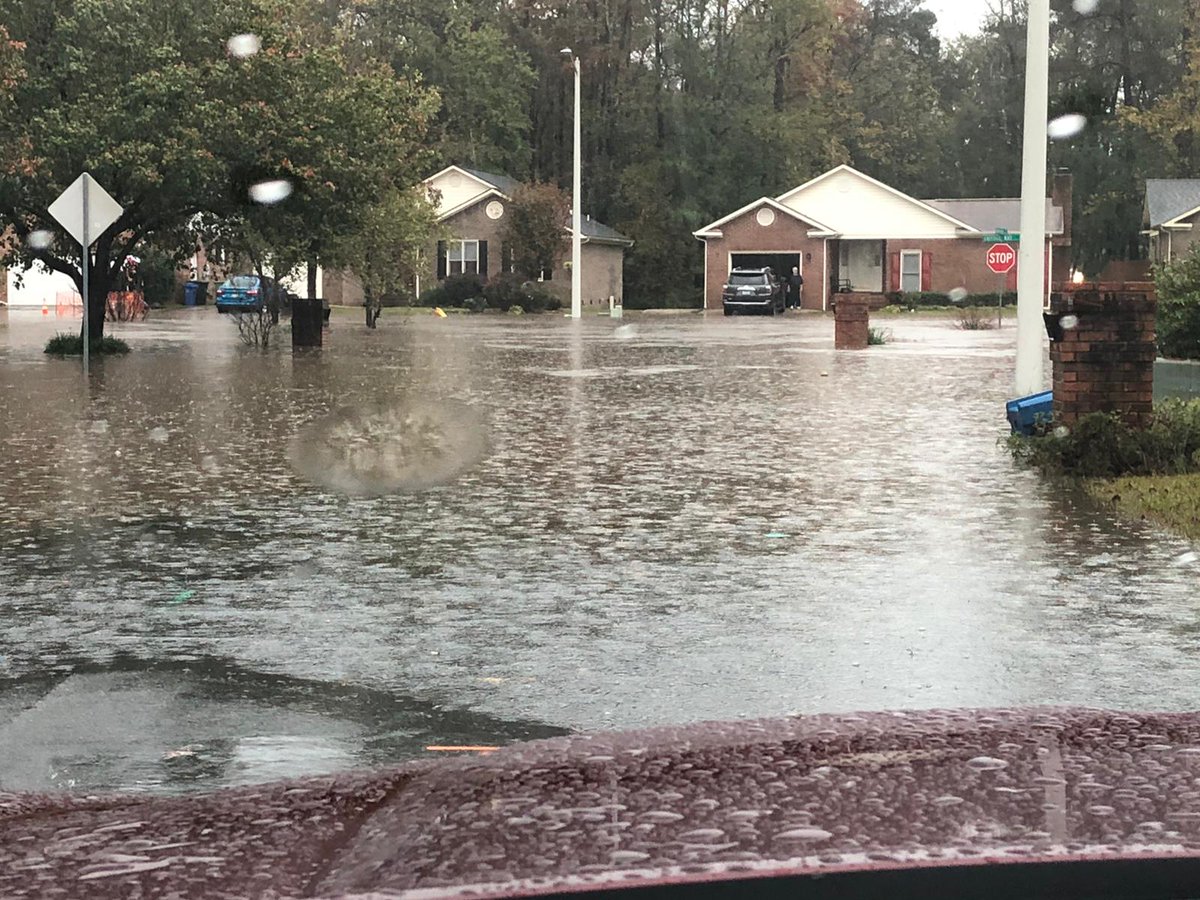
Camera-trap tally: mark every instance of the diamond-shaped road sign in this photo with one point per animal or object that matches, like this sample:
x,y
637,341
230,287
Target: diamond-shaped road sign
x,y
103,210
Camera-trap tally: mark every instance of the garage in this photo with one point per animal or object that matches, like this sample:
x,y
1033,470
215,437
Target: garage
x,y
782,263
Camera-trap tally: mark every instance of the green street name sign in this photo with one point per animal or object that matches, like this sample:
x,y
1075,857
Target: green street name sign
x,y
1000,236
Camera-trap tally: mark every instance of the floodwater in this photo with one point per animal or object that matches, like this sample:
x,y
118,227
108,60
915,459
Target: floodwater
x,y
677,518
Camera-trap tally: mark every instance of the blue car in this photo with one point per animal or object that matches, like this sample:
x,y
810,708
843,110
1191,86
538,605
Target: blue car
x,y
241,293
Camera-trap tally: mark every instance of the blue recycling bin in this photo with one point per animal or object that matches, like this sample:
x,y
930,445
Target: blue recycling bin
x,y
1026,413
195,293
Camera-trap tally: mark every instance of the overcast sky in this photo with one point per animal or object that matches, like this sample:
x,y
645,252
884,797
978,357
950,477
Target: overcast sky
x,y
957,17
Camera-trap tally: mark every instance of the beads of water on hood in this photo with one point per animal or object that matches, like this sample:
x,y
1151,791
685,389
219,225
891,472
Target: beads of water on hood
x,y
269,192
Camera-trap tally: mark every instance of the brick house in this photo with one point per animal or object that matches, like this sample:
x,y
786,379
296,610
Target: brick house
x,y
1170,218
471,207
847,231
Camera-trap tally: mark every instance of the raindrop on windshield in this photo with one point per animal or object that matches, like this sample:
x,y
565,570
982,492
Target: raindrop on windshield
x,y
1065,127
959,294
268,192
804,834
158,435
382,448
625,332
40,239
1062,432
242,46
1187,559
1069,323
986,764
1085,6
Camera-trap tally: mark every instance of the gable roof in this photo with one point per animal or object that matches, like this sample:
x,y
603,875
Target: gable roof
x,y
502,183
713,230
470,202
1169,199
989,214
783,198
594,232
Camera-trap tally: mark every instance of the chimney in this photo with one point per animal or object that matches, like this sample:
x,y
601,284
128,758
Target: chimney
x,y
1062,196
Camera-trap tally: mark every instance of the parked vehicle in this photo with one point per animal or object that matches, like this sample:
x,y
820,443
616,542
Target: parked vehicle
x,y
754,290
240,293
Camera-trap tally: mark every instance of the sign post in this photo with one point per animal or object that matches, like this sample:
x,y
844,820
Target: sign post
x,y
1001,263
86,211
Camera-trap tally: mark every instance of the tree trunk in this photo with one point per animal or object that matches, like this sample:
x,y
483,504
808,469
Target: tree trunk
x,y
97,301
312,279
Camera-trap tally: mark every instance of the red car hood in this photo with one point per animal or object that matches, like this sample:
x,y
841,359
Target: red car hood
x,y
813,796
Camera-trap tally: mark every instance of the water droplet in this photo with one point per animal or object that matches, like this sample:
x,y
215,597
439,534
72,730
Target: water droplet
x,y
1098,810
959,294
1069,322
625,332
208,464
702,834
804,834
40,239
158,435
242,46
1188,559
1062,432
987,763
378,449
1085,7
273,191
100,427
1065,127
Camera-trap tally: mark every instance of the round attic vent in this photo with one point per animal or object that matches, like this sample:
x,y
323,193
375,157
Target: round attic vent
x,y
765,217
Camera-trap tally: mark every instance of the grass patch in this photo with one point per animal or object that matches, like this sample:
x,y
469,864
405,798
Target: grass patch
x,y
1172,501
72,345
877,337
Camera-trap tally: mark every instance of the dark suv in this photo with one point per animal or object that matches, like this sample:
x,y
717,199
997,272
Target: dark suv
x,y
753,289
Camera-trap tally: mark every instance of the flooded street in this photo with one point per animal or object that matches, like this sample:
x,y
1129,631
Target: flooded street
x,y
677,519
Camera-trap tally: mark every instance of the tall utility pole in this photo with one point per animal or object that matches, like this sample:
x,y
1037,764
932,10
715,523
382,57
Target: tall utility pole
x,y
1030,376
576,213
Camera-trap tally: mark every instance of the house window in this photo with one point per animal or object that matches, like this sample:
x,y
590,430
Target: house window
x,y
910,271
462,257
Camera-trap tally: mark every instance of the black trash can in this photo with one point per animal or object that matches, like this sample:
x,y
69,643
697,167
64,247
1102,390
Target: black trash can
x,y
307,322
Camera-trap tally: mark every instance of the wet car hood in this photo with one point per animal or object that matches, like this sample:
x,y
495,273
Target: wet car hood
x,y
803,796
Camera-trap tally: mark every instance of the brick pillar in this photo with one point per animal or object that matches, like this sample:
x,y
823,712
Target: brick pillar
x,y
1103,358
852,321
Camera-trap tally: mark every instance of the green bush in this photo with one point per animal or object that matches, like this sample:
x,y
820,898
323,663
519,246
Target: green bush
x,y
1178,286
878,336
457,290
506,291
72,345
1102,445
936,299
157,271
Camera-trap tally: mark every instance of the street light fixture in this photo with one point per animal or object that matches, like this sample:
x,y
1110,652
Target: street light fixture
x,y
576,215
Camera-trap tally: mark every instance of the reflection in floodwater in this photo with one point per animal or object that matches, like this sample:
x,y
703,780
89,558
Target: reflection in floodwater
x,y
712,529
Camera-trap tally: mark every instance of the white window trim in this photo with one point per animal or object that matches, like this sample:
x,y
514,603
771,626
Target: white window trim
x,y
919,254
461,246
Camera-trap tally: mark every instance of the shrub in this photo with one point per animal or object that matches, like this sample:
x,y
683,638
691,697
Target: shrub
x,y
506,291
434,296
72,345
935,299
975,319
878,336
1178,286
157,271
1102,445
461,288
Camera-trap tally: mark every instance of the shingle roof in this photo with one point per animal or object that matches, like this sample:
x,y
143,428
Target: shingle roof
x,y
599,233
991,214
502,183
1170,198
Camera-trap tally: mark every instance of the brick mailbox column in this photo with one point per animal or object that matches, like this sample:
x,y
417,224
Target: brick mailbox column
x,y
852,321
1103,350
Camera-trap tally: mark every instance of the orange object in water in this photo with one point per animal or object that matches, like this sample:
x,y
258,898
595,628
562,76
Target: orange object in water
x,y
463,749
45,310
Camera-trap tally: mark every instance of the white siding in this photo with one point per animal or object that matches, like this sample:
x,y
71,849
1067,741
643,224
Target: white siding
x,y
857,208
456,189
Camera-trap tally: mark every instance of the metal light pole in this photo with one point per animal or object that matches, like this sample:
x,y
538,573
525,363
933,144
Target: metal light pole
x,y
576,214
1030,376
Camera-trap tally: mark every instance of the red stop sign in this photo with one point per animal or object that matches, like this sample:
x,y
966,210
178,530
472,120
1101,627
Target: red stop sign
x,y
1001,258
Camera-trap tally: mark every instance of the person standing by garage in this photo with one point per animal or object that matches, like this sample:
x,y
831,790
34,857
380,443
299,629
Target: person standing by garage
x,y
795,286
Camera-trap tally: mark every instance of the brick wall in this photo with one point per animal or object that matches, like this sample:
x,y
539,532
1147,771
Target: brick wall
x,y
1103,357
955,263
852,321
745,235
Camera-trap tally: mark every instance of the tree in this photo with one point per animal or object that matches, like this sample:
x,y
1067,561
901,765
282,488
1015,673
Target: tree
x,y
385,252
534,231
173,126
